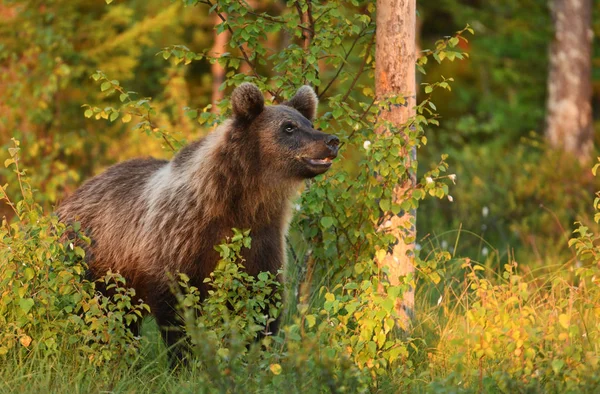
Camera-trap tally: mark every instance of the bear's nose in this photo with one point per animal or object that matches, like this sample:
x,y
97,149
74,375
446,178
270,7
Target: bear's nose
x,y
332,142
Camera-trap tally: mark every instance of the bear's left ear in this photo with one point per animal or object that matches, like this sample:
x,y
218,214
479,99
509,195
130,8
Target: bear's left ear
x,y
247,101
305,101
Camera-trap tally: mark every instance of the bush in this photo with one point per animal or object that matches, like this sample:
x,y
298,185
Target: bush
x,y
47,307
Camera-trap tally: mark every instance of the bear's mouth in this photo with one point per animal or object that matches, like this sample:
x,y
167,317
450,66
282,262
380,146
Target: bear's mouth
x,y
318,163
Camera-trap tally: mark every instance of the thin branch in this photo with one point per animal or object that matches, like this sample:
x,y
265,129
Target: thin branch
x,y
305,18
360,70
153,126
268,17
358,37
323,14
360,120
20,180
240,46
7,200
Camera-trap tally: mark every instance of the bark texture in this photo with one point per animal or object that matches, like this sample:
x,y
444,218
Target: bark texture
x,y
569,110
395,59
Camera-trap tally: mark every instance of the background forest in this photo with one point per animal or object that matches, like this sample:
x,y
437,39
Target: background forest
x,y
504,301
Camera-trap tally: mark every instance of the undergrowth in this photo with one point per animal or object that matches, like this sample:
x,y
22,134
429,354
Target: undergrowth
x,y
475,330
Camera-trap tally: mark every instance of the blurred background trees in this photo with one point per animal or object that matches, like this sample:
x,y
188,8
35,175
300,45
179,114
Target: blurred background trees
x,y
569,116
512,191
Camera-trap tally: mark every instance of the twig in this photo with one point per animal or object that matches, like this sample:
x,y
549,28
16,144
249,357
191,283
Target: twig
x,y
306,18
5,197
240,46
360,35
153,126
360,120
20,181
360,70
270,18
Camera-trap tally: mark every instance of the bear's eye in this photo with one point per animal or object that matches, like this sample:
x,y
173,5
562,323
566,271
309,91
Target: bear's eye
x,y
289,128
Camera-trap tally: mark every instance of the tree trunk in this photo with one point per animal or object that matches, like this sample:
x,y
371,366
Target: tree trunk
x,y
218,71
569,117
395,59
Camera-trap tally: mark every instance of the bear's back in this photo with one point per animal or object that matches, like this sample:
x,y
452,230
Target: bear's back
x,y
117,188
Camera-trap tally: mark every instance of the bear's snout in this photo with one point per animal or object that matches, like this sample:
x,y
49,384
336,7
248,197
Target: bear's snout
x,y
333,143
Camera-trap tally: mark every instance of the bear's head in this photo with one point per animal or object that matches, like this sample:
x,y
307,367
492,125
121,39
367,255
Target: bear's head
x,y
283,135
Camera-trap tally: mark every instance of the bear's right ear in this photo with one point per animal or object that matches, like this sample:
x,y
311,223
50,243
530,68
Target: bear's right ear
x,y
247,101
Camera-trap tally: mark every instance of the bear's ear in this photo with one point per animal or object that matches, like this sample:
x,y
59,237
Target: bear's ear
x,y
247,101
305,101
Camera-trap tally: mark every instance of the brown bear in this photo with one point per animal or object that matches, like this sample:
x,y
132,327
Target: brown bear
x,y
147,217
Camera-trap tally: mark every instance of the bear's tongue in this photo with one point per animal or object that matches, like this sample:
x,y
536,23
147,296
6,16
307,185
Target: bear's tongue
x,y
326,160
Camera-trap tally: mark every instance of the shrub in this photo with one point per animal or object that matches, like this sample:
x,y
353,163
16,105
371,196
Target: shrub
x,y
46,305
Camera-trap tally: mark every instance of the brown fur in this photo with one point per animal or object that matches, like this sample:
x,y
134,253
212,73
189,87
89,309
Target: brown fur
x,y
147,217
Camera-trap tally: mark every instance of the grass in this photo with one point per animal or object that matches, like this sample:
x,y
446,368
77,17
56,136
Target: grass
x,y
508,334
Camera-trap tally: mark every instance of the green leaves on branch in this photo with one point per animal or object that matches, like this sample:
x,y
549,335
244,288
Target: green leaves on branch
x,y
130,107
181,53
444,49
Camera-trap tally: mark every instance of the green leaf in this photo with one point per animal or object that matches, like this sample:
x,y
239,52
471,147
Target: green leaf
x,y
428,89
385,205
88,113
192,114
26,304
327,221
114,116
105,86
337,112
557,365
263,276
79,252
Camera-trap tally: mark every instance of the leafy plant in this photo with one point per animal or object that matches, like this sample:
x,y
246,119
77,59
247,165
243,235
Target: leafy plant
x,y
47,307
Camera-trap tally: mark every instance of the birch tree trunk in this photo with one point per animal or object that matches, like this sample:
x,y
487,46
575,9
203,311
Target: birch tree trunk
x,y
569,110
395,59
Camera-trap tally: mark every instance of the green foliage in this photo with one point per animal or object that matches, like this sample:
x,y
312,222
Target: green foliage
x,y
236,302
513,204
521,332
493,131
46,306
223,331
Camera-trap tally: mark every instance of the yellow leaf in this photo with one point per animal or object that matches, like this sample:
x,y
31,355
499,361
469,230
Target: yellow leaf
x,y
25,340
310,320
380,255
564,320
126,118
275,368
